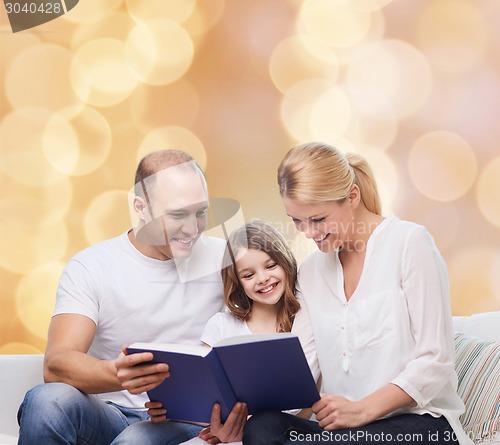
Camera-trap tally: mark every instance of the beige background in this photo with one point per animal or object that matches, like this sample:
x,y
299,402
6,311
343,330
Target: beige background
x,y
412,85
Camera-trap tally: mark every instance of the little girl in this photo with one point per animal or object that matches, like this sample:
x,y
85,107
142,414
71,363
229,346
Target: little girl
x,y
259,293
259,285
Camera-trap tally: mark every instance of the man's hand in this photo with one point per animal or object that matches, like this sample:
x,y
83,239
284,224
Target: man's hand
x,y
156,411
231,430
137,378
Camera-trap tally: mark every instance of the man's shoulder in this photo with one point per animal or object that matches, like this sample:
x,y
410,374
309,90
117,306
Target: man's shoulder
x,y
101,249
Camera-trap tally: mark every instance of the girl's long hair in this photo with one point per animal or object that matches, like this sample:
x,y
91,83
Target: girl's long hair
x,y
258,235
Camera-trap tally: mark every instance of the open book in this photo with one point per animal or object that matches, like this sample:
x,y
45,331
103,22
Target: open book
x,y
267,372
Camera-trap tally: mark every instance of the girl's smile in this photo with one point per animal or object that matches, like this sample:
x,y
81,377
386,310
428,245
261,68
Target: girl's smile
x,y
260,276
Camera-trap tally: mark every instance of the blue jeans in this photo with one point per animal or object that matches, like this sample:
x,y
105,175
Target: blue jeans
x,y
164,433
273,428
57,414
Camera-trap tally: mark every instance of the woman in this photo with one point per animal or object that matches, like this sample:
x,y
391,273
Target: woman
x,y
378,300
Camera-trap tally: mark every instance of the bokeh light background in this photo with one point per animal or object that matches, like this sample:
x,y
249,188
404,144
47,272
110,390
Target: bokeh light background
x,y
412,85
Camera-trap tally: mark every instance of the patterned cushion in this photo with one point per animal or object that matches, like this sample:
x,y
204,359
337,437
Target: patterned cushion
x,y
477,363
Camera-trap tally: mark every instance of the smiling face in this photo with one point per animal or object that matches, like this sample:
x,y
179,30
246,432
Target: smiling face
x,y
263,279
174,214
329,224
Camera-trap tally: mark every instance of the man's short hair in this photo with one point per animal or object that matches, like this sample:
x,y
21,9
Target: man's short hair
x,y
160,160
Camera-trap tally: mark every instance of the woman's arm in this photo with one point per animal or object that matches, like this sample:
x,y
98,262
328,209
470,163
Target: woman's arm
x,y
426,288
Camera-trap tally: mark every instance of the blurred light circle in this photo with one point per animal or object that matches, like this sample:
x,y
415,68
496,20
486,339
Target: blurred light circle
x,y
50,88
175,10
453,35
470,286
442,165
107,216
336,22
374,122
24,248
28,211
371,5
60,144
301,57
330,115
21,151
173,138
114,26
89,11
395,69
58,197
99,73
35,207
487,192
13,47
35,297
298,104
377,31
148,110
204,17
77,143
159,52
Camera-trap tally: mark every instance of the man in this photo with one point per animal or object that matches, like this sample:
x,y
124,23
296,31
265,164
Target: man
x,y
139,286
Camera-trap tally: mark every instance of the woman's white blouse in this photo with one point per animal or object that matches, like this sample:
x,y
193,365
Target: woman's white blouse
x,y
396,327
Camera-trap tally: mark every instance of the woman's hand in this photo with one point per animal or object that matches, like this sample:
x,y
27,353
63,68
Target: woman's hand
x,y
156,411
333,412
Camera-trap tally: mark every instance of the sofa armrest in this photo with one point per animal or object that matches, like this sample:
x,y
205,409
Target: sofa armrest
x,y
18,373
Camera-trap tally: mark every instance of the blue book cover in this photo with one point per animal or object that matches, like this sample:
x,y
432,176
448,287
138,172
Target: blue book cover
x,y
267,372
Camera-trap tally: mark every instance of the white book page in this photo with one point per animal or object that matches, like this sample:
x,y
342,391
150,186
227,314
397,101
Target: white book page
x,y
199,350
253,338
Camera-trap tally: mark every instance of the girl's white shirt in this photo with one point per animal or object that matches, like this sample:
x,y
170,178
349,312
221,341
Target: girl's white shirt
x,y
396,327
225,325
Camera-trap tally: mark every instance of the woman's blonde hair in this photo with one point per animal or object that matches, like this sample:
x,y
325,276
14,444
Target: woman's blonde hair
x,y
315,173
258,235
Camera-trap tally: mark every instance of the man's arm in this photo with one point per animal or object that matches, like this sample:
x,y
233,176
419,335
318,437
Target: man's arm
x,y
67,361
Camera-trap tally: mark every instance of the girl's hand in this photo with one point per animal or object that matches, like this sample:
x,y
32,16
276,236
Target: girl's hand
x,y
232,429
206,435
335,412
156,411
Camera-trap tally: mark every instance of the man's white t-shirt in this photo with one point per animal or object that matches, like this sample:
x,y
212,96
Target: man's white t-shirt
x,y
134,298
396,327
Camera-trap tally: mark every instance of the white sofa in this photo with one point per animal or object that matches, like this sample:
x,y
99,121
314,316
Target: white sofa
x,y
477,345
